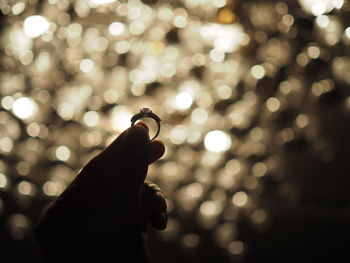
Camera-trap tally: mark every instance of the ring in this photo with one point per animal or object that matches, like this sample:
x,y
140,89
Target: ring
x,y
146,113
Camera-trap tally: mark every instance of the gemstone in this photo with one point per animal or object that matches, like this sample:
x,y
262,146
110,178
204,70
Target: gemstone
x,y
146,111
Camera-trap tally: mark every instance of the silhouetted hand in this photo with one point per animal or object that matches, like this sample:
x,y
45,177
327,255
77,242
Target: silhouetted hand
x,y
103,214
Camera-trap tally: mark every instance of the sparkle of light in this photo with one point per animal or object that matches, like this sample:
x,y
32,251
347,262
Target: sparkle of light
x,y
91,118
257,71
116,28
240,199
86,65
62,153
217,141
24,108
3,180
183,100
199,116
35,26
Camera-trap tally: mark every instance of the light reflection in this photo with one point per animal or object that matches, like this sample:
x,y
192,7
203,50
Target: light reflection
x,y
18,8
302,120
24,108
3,180
6,144
273,104
183,100
221,36
52,188
259,169
317,7
194,190
236,247
7,102
199,116
23,168
91,118
102,2
136,27
116,28
62,153
26,188
240,199
257,71
191,240
35,26
259,216
217,141
19,226
86,65
178,134
121,119
210,208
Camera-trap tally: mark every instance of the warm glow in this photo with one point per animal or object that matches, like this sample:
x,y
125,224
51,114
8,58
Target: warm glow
x,y
3,180
194,190
62,153
178,134
91,118
183,100
51,188
26,188
240,199
225,38
24,108
121,120
302,120
116,28
240,88
199,116
210,208
273,104
102,2
226,16
236,247
318,7
6,144
257,71
35,26
217,141
86,65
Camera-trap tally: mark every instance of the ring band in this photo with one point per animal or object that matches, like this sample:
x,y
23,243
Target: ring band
x,y
146,113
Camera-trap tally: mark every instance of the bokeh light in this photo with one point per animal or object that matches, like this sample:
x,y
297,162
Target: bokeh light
x,y
35,26
243,88
24,108
217,141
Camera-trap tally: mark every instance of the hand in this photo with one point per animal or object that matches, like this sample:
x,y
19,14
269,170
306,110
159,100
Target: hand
x,y
103,214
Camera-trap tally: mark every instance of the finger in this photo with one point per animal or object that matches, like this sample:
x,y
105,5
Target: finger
x,y
154,203
125,160
116,147
134,159
157,149
143,124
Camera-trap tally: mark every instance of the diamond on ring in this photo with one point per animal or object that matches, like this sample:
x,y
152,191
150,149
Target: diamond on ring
x,y
146,113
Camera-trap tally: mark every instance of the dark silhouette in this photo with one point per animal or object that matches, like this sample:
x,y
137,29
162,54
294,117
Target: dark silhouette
x,y
103,214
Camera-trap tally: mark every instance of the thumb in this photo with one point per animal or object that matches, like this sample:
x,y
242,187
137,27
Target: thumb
x,y
136,146
127,159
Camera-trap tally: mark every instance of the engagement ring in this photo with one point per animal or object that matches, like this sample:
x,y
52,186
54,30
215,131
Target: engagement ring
x,y
146,113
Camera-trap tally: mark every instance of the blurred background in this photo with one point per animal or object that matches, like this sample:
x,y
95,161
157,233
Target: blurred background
x,y
254,101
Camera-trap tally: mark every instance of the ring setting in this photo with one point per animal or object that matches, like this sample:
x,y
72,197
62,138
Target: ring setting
x,y
147,113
